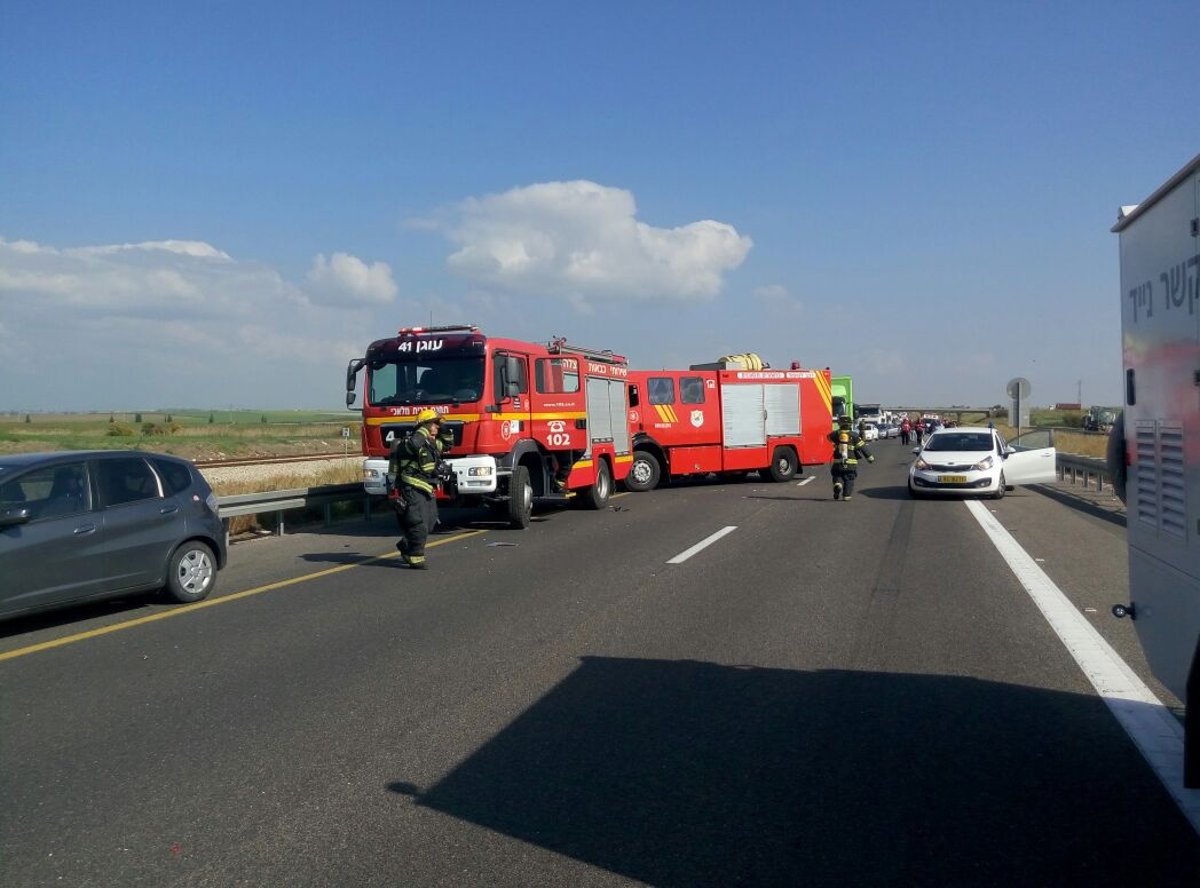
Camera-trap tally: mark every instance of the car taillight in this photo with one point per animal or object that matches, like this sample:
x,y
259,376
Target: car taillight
x,y
211,502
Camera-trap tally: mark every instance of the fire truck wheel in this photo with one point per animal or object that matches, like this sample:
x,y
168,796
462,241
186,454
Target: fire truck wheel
x,y
596,496
519,507
644,473
783,464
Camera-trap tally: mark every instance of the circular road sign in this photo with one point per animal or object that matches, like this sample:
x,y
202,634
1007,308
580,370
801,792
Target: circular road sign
x,y
1018,387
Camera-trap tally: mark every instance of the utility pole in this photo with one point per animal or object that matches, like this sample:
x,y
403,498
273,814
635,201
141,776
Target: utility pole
x,y
1079,394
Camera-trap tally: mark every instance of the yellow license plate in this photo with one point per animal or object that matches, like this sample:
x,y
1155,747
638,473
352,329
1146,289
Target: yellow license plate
x,y
952,479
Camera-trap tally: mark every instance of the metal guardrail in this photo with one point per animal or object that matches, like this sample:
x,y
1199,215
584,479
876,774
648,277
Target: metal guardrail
x,y
1085,468
280,501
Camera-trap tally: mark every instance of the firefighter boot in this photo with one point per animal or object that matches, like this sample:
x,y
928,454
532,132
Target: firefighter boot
x,y
416,562
837,490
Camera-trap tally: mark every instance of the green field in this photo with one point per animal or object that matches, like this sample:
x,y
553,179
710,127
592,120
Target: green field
x,y
193,434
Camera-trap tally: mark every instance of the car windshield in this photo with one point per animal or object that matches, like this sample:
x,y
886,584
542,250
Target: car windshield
x,y
960,441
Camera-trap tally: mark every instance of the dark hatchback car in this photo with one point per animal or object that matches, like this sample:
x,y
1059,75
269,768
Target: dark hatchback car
x,y
77,526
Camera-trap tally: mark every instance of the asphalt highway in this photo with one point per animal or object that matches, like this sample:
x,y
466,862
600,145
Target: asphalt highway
x,y
826,694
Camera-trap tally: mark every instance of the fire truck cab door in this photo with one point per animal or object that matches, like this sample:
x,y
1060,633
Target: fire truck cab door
x,y
512,392
681,409
558,404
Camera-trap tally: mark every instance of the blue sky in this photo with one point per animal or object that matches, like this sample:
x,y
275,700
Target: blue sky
x,y
215,204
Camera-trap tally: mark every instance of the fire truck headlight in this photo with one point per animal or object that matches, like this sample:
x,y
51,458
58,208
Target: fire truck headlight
x,y
479,471
371,474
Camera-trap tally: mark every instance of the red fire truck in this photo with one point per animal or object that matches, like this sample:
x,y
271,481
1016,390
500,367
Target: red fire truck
x,y
520,413
721,418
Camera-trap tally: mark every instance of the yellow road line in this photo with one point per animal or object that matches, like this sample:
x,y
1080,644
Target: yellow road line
x,y
213,602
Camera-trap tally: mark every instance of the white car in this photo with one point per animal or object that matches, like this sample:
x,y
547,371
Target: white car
x,y
870,432
976,460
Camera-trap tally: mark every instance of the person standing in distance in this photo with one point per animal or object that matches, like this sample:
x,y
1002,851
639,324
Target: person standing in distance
x,y
414,468
848,449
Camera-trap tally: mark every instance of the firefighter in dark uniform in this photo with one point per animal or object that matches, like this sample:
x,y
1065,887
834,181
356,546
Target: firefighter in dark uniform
x,y
848,449
414,469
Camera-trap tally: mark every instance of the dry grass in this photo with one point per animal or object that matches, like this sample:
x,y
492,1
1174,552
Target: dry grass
x,y
342,475
1077,443
242,524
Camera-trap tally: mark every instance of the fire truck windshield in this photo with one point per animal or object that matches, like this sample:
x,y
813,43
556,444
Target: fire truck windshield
x,y
424,380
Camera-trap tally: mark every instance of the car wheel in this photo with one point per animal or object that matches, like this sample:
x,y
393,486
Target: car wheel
x,y
192,572
783,464
596,496
644,473
999,494
519,508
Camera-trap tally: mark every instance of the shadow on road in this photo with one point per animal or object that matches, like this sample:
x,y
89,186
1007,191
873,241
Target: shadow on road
x,y
681,773
1082,503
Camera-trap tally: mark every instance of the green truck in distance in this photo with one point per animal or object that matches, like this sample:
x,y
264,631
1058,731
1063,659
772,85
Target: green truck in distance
x,y
842,388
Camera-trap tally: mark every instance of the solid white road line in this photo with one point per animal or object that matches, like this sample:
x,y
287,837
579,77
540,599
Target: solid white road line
x,y
804,481
1151,726
703,544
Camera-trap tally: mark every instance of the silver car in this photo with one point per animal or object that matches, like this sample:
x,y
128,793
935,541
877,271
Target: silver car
x,y
77,526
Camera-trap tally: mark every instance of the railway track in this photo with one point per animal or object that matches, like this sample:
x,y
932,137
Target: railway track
x,y
271,460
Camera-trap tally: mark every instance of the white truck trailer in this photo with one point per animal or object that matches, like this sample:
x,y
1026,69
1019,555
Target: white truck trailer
x,y
1160,343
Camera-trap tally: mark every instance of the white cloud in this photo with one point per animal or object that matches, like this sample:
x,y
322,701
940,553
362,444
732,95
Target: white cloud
x,y
176,278
583,243
343,279
196,249
173,323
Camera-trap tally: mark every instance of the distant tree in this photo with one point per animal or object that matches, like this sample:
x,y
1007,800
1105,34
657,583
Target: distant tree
x,y
111,418
137,418
169,418
263,420
211,419
27,419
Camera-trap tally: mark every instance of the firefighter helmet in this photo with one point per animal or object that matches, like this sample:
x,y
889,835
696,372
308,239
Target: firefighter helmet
x,y
844,421
428,414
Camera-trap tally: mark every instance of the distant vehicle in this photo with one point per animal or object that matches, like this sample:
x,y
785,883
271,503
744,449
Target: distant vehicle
x,y
1099,419
975,460
868,413
842,392
82,525
721,418
870,432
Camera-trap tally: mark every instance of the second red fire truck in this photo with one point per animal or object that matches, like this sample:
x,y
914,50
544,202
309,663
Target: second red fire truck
x,y
729,417
522,414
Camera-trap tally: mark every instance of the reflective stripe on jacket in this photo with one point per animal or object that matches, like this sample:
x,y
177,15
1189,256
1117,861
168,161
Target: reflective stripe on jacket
x,y
414,459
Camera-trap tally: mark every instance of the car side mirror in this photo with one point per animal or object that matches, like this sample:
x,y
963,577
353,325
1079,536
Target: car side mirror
x,y
15,515
916,450
1008,451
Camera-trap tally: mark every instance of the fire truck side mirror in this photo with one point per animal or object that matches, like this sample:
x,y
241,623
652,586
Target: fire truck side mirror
x,y
352,379
510,382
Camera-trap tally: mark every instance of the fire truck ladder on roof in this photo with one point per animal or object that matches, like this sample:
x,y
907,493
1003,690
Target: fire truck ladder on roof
x,y
559,344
